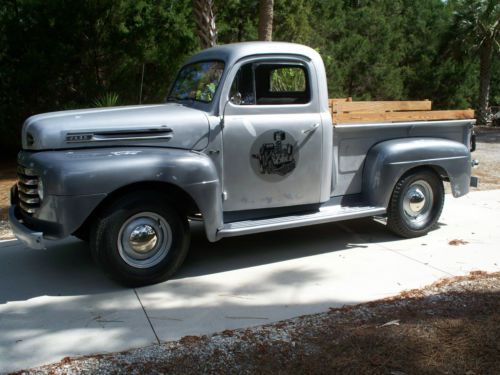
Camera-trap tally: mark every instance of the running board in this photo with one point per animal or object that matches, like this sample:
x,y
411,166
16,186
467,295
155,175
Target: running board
x,y
326,214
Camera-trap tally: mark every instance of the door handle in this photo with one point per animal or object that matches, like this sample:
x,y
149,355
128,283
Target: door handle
x,y
311,129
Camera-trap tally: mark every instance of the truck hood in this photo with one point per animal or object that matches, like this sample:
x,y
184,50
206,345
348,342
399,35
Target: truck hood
x,y
163,125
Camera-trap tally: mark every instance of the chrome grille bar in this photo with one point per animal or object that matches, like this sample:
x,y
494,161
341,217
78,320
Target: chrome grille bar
x,y
25,171
26,208
28,181
25,190
29,198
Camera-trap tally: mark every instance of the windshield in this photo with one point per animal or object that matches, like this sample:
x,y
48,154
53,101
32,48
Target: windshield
x,y
197,81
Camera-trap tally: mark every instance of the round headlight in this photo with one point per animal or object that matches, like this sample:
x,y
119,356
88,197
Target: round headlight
x,y
40,189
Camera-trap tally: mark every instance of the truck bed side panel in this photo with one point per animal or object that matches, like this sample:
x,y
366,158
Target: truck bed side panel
x,y
351,144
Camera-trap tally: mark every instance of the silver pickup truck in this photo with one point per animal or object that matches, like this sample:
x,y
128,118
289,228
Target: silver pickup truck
x,y
245,142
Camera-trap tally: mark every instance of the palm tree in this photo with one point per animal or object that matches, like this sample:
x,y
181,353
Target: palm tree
x,y
205,22
477,26
266,20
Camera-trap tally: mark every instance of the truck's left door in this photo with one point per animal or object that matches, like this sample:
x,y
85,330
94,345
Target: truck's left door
x,y
272,136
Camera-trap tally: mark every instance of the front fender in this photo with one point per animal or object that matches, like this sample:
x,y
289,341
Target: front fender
x,y
388,161
98,172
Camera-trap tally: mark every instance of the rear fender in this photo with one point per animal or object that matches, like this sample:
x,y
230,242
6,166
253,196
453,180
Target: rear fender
x,y
388,161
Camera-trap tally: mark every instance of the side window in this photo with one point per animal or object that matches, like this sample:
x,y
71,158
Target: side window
x,y
244,84
272,84
287,79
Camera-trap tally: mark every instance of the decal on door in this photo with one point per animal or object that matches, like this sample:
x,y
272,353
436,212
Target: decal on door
x,y
274,153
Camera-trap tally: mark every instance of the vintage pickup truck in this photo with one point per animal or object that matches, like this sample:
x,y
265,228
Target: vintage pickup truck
x,y
247,142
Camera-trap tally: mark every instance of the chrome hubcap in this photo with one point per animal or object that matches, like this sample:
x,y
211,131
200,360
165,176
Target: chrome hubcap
x,y
417,202
416,199
144,240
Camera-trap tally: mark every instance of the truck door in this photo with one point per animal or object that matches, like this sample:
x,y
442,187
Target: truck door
x,y
272,136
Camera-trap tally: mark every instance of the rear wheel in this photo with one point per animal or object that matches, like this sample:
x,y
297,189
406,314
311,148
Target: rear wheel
x,y
140,239
416,204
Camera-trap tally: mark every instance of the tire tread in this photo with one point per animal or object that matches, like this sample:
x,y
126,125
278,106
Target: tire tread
x,y
103,246
395,222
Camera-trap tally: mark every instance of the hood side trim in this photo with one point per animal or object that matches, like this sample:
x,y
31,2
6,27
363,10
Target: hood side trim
x,y
120,135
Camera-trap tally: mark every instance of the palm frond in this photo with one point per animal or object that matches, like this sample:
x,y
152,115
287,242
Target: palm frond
x,y
110,99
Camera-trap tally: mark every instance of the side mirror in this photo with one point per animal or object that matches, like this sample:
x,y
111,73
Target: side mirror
x,y
236,98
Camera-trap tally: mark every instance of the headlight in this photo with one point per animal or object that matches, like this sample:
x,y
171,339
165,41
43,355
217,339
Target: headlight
x,y
40,189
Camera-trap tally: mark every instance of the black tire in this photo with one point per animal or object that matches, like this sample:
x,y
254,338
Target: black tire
x,y
407,215
82,235
114,251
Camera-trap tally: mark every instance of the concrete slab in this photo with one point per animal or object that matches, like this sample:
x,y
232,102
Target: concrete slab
x,y
473,219
56,303
299,272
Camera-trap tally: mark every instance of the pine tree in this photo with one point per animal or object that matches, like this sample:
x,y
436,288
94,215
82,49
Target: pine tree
x,y
477,26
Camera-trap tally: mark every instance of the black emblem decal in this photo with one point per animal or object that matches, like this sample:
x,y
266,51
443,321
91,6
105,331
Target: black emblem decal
x,y
276,158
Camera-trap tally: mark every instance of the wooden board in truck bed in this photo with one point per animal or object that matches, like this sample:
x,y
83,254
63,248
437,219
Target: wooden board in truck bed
x,y
346,111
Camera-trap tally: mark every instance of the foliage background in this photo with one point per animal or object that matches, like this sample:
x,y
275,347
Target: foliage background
x,y
60,54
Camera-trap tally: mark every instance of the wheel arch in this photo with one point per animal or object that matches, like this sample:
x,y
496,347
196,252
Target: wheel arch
x,y
82,181
179,198
439,171
387,162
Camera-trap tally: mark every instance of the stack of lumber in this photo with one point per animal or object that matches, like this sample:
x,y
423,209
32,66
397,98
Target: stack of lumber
x,y
346,111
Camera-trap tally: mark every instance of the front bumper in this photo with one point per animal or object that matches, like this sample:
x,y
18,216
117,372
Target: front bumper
x,y
24,234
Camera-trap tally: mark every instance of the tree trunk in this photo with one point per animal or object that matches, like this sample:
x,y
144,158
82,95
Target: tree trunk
x,y
205,22
486,56
266,20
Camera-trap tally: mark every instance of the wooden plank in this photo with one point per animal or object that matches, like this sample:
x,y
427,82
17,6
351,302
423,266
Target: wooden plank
x,y
382,106
360,117
332,101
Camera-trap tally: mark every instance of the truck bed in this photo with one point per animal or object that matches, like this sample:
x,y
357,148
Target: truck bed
x,y
346,111
358,126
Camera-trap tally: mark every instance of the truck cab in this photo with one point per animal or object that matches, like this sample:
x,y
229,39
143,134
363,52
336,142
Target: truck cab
x,y
246,142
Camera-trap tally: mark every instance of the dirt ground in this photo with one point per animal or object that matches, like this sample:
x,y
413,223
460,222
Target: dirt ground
x,y
450,327
7,179
488,154
488,171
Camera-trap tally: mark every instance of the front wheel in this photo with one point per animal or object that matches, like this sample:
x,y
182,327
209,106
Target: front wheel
x,y
140,239
416,204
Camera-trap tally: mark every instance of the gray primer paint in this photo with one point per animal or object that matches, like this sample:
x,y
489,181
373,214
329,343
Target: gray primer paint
x,y
352,143
188,128
362,159
388,161
85,177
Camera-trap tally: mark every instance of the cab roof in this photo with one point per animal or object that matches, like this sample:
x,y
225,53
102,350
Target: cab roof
x,y
231,53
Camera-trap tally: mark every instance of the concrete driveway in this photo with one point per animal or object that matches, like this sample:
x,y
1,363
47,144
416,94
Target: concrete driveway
x,y
55,303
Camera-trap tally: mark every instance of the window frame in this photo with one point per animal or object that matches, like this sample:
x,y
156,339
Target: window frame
x,y
287,61
219,86
307,91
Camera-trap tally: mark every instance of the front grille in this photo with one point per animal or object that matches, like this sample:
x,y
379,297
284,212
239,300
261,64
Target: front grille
x,y
27,186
